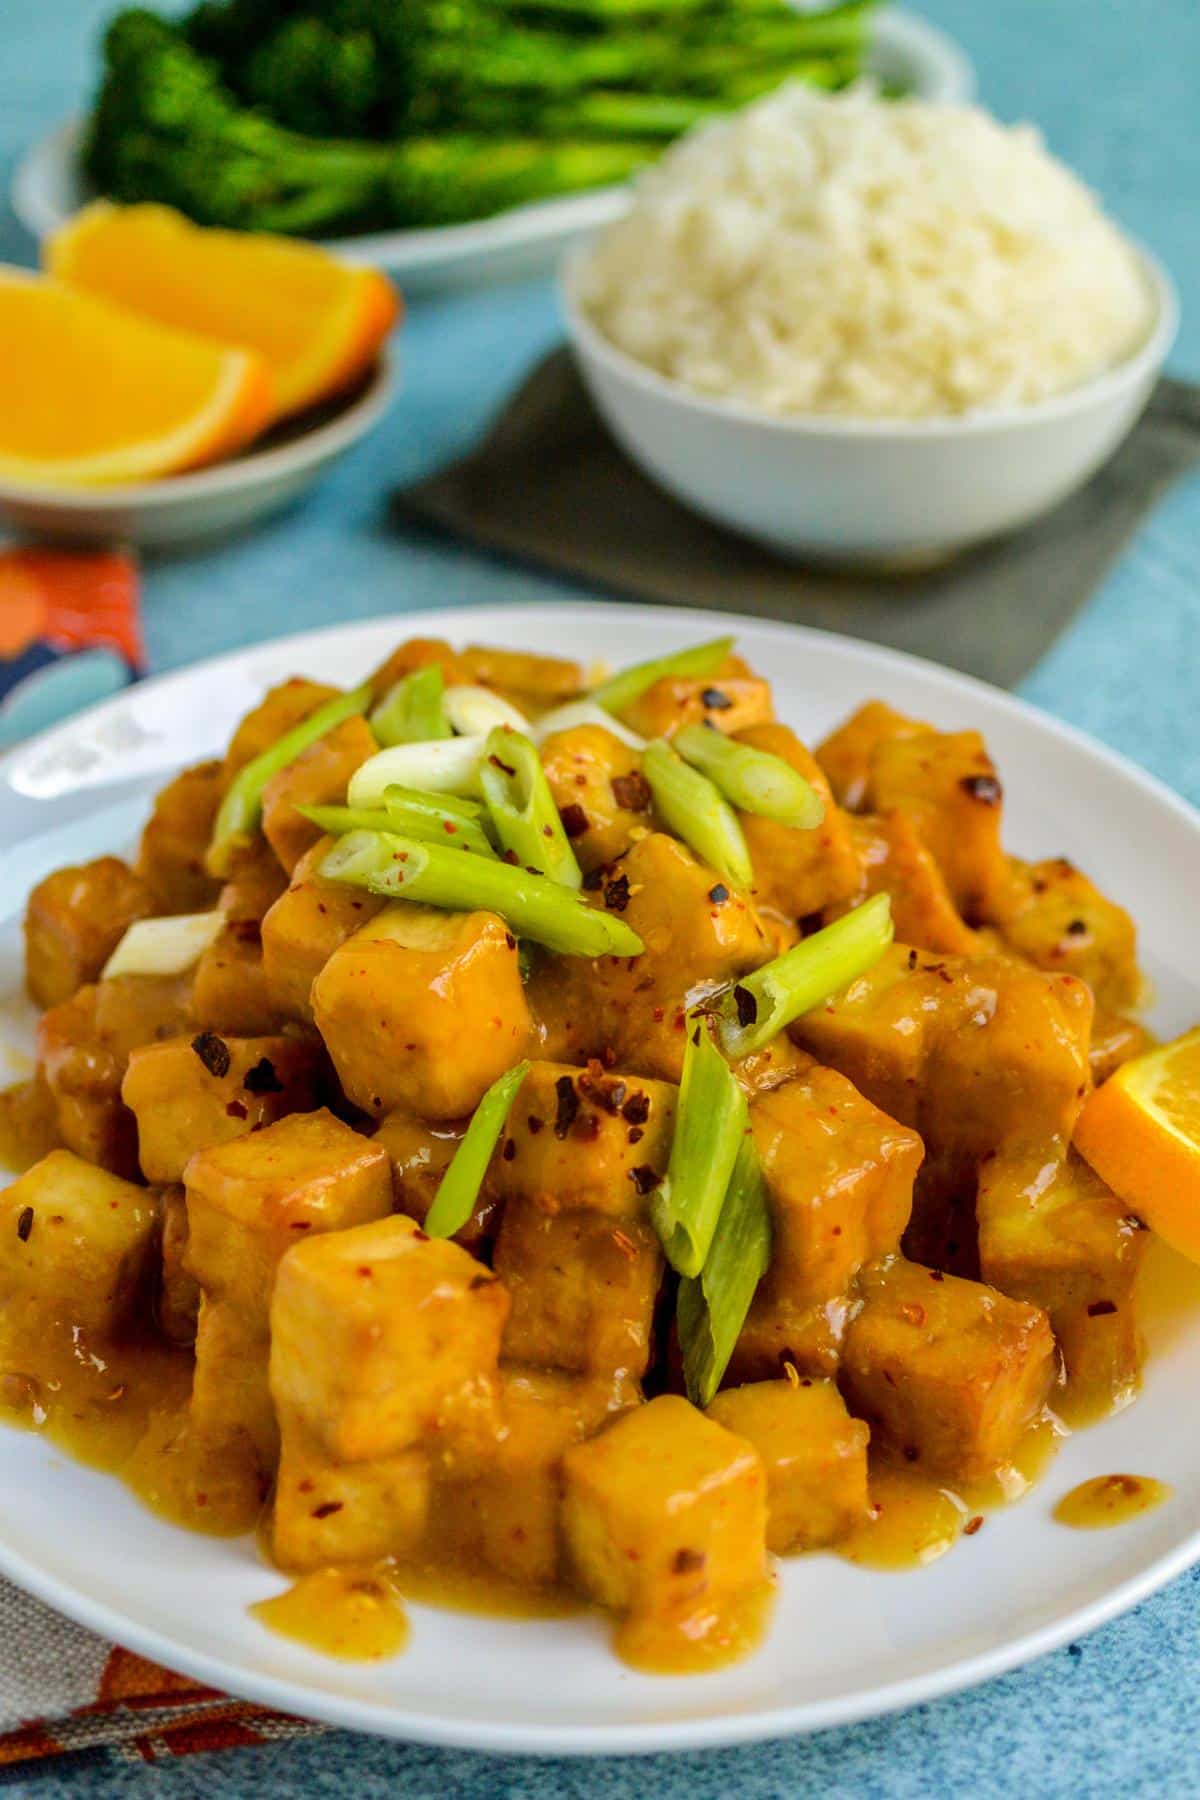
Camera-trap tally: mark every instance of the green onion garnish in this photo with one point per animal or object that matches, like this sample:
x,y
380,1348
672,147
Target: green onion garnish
x,y
419,816
459,1187
240,813
438,766
694,808
533,906
412,712
753,780
711,1308
523,813
759,1006
620,691
710,1123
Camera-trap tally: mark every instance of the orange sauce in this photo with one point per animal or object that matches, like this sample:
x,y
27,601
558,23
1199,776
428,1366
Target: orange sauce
x,y
1110,1500
356,1615
455,1586
711,1636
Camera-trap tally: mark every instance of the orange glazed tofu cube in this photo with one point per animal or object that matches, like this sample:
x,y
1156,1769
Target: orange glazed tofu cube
x,y
170,858
304,927
1052,914
585,1139
892,860
847,754
74,920
328,1513
583,1289
780,1331
665,1512
230,991
946,782
599,789
731,700
536,682
798,872
383,1338
420,1154
190,1093
317,777
948,1373
281,708
413,654
1052,1233
423,1010
814,1453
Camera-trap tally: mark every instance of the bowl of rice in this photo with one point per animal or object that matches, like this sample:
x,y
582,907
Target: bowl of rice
x,y
866,331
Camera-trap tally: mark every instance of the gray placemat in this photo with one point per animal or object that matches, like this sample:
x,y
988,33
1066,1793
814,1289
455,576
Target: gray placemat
x,y
549,486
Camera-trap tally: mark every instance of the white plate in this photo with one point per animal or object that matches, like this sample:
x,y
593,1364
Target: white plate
x,y
48,186
845,1643
188,509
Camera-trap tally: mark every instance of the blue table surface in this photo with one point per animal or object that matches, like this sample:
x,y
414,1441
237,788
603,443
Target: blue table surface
x,y
1115,87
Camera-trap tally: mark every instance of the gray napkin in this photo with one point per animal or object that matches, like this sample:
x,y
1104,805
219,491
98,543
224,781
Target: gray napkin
x,y
549,486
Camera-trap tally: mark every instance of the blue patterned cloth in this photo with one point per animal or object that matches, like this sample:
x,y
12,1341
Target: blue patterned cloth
x,y
1116,85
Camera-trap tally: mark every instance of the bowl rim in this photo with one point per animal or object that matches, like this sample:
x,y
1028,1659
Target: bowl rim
x,y
252,467
1145,359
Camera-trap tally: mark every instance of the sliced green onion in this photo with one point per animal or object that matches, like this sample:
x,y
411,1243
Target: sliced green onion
x,y
459,1187
240,812
436,806
442,766
164,946
583,712
533,906
427,821
712,1307
412,712
474,711
761,1005
710,1123
753,780
523,813
620,691
694,808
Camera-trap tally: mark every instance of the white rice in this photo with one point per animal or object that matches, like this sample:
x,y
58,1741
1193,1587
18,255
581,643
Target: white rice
x,y
852,255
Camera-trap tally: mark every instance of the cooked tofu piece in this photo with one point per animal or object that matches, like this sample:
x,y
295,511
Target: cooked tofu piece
x,y
533,682
420,1154
230,992
1115,1040
423,1009
170,857
798,873
583,1289
317,777
731,700
848,753
946,783
326,1512
585,1140
178,1306
665,1512
948,1373
257,882
599,789
780,1332
280,709
1052,1233
814,1453
1051,914
697,933
418,653
79,1245
84,1047
308,922
74,920
839,1177
383,1339
249,1201
504,1515
191,1093
892,860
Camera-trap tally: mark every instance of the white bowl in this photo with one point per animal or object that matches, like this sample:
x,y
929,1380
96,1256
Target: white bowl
x,y
185,509
865,491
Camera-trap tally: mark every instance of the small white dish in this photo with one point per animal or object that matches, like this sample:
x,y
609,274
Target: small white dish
x,y
210,502
846,1642
867,492
905,52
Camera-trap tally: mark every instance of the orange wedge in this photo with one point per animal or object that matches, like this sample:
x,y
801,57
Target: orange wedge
x,y
317,321
93,395
1141,1134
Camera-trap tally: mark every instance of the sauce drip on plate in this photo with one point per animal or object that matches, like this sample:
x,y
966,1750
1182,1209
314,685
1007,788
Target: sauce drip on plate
x,y
356,1615
1109,1500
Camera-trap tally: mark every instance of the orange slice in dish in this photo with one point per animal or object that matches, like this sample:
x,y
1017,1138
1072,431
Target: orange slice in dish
x,y
93,395
1141,1134
317,321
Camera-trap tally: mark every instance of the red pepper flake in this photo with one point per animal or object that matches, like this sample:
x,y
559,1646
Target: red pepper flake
x,y
714,700
236,1110
510,1149
502,766
1100,1308
635,1134
535,1124
912,959
1077,928
719,894
574,819
262,1079
25,1223
659,1014
636,1109
936,1275
449,826
327,1509
566,1105
747,1006
688,1561
914,1313
510,940
588,1127
625,1244
616,893
632,791
972,1525
984,788
213,1052
644,1178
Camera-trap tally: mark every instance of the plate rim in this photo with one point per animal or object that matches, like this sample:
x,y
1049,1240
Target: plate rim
x,y
693,1733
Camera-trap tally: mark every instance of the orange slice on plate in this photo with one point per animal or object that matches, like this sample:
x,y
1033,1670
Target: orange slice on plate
x,y
92,395
317,321
1141,1134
